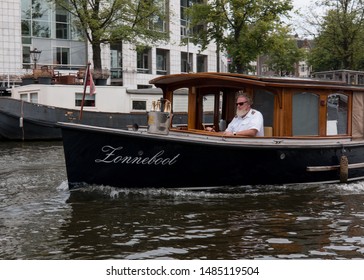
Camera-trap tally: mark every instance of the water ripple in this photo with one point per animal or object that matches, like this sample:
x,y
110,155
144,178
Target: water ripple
x,y
41,219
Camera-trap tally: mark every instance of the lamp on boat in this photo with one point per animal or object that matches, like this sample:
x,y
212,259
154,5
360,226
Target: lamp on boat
x,y
35,54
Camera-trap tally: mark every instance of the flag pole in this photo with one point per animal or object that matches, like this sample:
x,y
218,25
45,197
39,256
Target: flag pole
x,y
84,89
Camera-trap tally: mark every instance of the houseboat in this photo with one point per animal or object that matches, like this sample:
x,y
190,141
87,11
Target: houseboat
x,y
32,111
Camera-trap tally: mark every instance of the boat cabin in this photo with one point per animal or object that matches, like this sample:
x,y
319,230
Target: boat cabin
x,y
291,107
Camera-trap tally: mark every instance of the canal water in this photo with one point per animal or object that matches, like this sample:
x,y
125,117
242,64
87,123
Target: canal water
x,y
41,219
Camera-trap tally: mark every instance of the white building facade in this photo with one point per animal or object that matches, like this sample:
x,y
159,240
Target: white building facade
x,y
26,25
10,39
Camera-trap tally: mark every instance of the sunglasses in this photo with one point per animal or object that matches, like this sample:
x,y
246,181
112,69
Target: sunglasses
x,y
241,103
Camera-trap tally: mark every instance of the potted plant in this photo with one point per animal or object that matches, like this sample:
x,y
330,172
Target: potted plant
x,y
43,76
27,79
100,76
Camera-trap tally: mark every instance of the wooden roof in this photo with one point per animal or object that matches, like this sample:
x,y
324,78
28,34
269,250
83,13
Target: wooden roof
x,y
230,80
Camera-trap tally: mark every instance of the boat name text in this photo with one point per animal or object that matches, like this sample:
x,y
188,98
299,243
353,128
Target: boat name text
x,y
112,157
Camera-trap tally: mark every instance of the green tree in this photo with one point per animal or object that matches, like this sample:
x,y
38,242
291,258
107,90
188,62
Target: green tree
x,y
115,21
240,27
284,53
339,43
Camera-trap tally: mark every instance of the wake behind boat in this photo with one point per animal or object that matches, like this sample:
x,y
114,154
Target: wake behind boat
x,y
313,134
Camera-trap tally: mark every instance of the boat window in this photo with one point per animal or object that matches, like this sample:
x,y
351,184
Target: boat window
x,y
305,114
180,108
89,100
208,109
337,114
139,105
264,103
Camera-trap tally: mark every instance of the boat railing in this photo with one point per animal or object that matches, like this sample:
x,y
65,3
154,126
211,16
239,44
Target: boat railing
x,y
335,138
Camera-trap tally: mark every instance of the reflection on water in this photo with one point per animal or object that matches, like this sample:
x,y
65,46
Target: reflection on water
x,y
41,219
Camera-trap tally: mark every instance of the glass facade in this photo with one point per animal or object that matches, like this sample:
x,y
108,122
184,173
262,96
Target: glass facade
x,y
41,22
44,25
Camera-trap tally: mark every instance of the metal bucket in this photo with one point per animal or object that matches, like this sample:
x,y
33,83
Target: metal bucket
x,y
159,122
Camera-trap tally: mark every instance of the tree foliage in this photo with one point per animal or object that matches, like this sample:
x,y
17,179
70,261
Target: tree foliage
x,y
284,53
240,27
115,21
339,43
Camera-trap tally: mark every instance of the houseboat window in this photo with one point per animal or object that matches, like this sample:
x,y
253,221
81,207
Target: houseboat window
x,y
33,97
264,103
24,96
139,105
337,114
305,114
89,100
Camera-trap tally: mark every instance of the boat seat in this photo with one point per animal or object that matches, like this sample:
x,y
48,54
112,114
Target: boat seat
x,y
268,131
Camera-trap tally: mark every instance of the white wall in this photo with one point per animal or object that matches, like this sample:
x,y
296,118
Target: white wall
x,y
107,98
10,38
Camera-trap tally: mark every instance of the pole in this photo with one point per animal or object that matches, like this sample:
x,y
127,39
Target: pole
x,y
84,89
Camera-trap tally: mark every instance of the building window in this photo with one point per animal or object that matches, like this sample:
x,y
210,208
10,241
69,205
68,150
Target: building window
x,y
184,5
143,60
186,64
26,56
41,29
157,23
26,29
62,23
116,56
201,63
41,20
26,9
139,105
62,56
36,18
89,100
162,61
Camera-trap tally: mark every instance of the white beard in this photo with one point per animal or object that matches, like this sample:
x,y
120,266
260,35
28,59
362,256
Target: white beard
x,y
241,112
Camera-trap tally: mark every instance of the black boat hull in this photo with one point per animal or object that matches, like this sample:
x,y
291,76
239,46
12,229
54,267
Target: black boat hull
x,y
141,160
29,121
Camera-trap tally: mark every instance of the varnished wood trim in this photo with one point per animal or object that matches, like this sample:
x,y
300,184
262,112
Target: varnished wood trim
x,y
333,167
